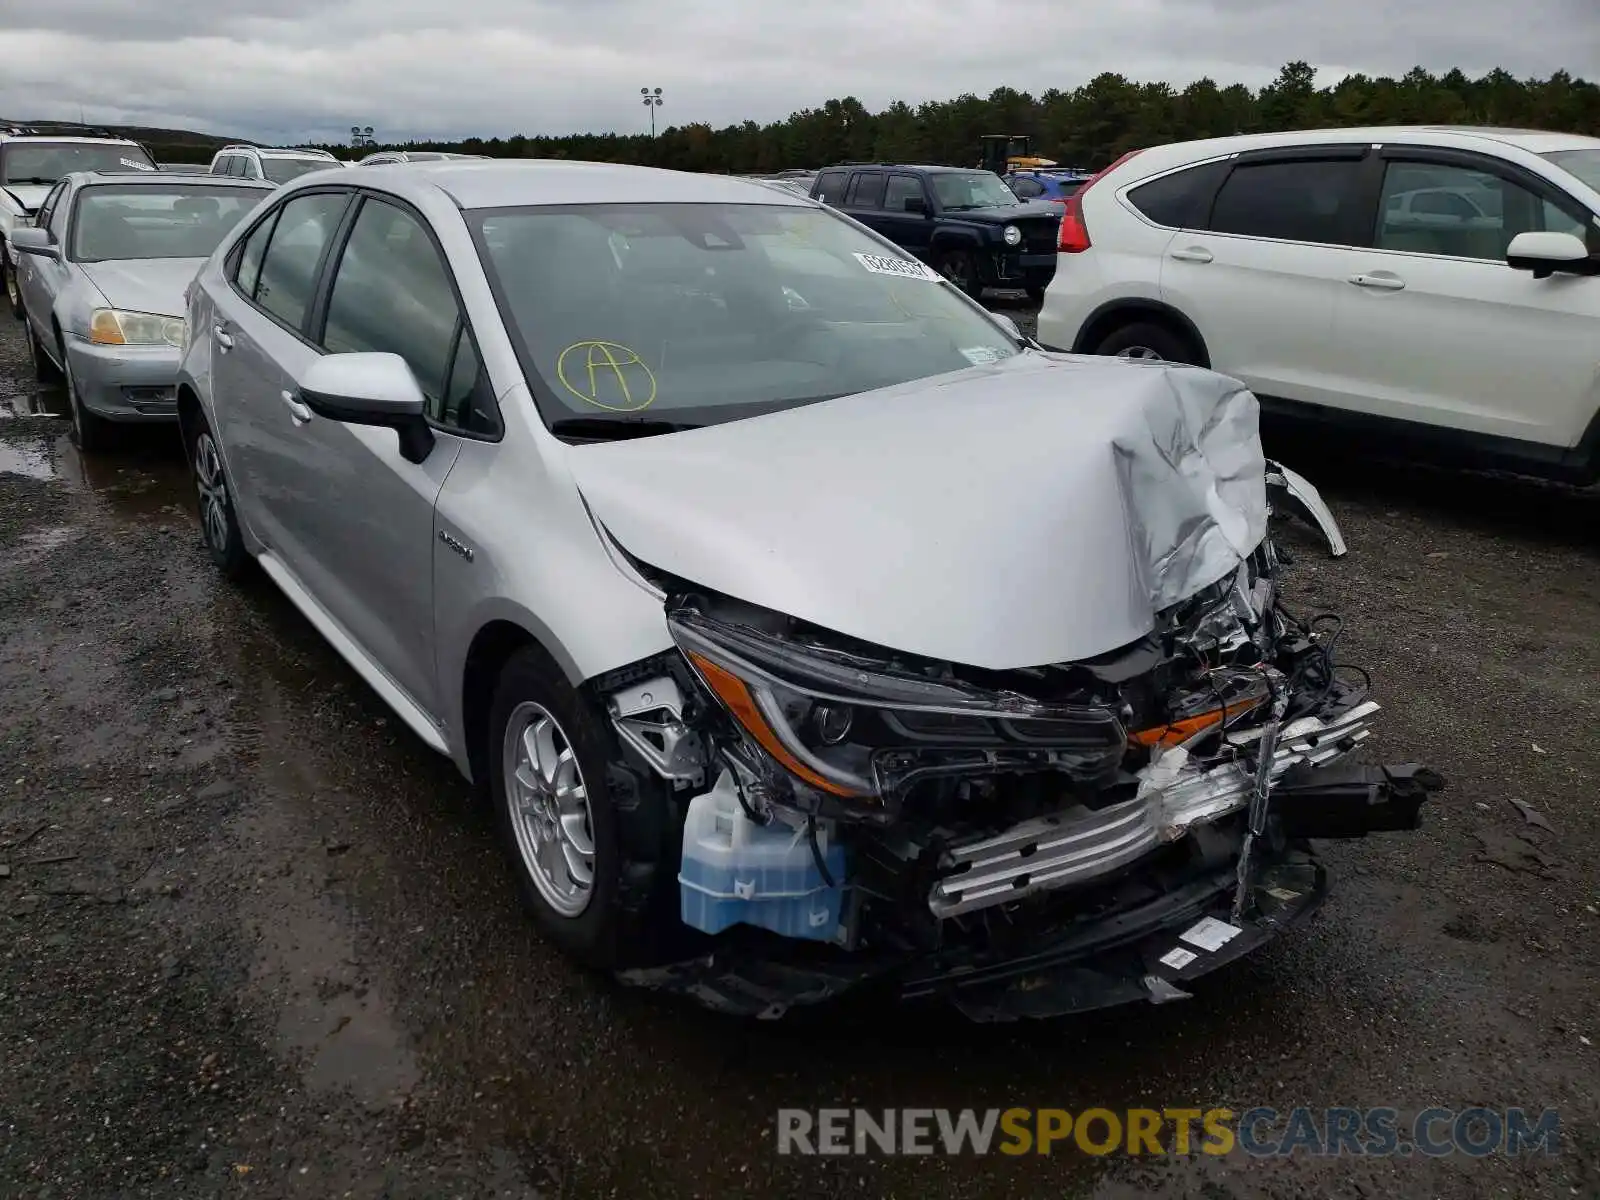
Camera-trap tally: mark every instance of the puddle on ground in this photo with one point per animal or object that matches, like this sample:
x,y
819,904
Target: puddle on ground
x,y
146,478
332,1017
36,462
37,402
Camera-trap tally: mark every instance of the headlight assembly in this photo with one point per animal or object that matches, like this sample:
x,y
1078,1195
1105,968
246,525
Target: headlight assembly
x,y
114,327
862,730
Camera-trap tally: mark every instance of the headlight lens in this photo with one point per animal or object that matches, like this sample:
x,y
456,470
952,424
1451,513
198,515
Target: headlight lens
x,y
114,327
1012,235
863,729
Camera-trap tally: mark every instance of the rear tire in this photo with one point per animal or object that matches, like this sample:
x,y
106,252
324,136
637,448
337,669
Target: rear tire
x,y
590,842
1148,341
219,528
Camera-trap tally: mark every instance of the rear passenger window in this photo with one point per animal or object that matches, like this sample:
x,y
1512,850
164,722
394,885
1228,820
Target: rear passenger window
x,y
1181,200
250,257
867,190
830,187
1307,201
289,268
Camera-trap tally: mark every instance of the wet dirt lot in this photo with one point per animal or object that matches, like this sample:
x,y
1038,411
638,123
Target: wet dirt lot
x,y
255,941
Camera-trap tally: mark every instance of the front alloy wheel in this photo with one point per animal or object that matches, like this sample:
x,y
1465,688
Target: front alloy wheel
x,y
13,295
548,806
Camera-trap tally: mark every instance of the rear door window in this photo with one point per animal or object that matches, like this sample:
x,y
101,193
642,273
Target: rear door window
x,y
294,254
866,190
1309,200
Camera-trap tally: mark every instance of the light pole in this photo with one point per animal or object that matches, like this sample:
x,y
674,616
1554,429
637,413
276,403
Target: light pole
x,y
652,101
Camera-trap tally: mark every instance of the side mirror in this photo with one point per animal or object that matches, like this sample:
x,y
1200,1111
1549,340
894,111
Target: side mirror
x,y
28,240
1546,253
370,389
916,204
1009,325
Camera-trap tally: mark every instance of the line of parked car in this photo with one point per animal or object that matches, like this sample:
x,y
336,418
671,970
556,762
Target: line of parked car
x,y
544,450
1431,288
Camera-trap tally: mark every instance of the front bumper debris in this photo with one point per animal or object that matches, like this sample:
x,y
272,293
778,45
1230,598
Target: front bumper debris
x,y
1133,951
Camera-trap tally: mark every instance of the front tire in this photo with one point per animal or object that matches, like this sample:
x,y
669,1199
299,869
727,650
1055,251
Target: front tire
x,y
586,848
219,527
13,293
43,369
1036,296
1149,342
91,433
960,267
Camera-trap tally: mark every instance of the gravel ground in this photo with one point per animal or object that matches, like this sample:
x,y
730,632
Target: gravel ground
x,y
256,941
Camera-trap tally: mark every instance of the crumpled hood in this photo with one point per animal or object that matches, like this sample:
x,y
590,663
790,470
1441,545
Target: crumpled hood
x,y
150,285
1037,510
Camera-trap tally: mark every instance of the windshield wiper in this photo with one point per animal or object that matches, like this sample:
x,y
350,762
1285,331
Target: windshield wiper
x,y
607,429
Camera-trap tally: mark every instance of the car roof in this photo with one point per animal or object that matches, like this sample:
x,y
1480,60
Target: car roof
x,y
57,138
1534,140
165,178
507,183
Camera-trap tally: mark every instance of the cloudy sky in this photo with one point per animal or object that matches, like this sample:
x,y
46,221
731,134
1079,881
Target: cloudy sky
x,y
447,68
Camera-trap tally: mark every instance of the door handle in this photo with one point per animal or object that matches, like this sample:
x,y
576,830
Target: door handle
x,y
224,338
1194,254
1381,281
297,409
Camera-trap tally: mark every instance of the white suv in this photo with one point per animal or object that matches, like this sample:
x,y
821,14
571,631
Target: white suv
x,y
270,163
1438,287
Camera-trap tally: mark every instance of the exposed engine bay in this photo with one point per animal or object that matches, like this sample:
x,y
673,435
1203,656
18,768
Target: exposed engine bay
x,y
1024,842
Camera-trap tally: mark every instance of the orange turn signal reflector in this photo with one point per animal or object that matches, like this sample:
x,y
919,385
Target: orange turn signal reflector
x,y
734,693
104,330
1179,732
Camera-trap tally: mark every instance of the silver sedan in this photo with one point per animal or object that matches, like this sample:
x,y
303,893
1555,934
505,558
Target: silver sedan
x,y
804,624
102,274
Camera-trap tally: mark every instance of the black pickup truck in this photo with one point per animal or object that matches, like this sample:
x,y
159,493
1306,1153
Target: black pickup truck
x,y
964,223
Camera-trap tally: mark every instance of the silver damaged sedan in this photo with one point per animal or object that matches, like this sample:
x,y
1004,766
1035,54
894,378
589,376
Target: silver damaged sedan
x,y
806,627
101,275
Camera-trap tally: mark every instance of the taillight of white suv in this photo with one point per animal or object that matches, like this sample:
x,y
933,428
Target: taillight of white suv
x,y
1074,236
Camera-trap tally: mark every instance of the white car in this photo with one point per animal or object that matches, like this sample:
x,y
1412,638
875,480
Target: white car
x,y
271,163
1435,287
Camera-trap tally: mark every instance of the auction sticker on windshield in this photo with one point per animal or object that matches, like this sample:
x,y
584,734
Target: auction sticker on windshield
x,y
903,267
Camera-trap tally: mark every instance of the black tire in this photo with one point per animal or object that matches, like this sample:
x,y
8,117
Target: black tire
x,y
630,914
1156,342
1036,296
13,296
43,369
219,527
960,267
91,433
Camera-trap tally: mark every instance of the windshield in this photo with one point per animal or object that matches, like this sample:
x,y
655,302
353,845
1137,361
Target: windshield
x,y
179,221
979,189
45,162
281,170
704,313
1585,164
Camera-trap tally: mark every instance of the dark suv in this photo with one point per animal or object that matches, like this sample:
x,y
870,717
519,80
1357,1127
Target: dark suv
x,y
964,223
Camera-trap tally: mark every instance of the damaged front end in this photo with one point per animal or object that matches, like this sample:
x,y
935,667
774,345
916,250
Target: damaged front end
x,y
1020,843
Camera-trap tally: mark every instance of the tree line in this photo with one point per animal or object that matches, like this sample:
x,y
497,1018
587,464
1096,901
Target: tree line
x,y
1088,126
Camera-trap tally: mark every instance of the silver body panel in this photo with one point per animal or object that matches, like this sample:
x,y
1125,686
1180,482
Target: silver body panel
x,y
1053,504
